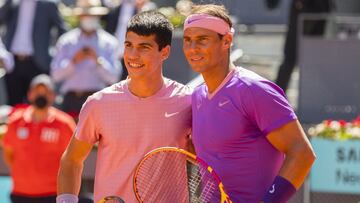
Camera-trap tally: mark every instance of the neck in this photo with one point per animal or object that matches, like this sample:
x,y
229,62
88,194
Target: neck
x,y
145,88
40,114
88,33
216,76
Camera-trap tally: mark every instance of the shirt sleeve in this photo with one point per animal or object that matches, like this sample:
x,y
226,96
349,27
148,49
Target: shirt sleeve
x,y
7,58
267,106
87,129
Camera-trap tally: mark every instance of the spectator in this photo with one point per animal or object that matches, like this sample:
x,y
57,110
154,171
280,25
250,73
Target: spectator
x,y
28,35
118,17
313,27
86,59
34,142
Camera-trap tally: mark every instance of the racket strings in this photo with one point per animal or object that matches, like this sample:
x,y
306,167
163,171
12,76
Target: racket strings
x,y
202,185
161,178
173,177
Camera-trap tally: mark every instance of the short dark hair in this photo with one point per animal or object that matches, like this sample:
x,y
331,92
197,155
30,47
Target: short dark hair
x,y
152,23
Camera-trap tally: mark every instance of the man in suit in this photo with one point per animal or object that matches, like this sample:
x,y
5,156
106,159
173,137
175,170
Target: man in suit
x,y
28,36
116,21
313,27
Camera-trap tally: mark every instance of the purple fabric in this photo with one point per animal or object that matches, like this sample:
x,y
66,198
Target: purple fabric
x,y
280,191
229,133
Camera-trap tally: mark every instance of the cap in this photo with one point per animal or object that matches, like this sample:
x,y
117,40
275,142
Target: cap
x,y
42,79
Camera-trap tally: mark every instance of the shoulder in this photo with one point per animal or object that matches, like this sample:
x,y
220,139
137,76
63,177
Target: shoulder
x,y
108,93
247,81
107,37
16,116
69,37
178,89
63,117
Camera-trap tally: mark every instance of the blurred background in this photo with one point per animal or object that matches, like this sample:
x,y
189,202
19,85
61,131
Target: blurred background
x,y
323,79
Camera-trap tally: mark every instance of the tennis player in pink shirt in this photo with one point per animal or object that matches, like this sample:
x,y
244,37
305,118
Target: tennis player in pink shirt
x,y
129,118
243,126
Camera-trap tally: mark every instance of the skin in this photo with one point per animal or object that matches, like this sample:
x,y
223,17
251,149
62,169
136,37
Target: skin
x,y
144,63
209,55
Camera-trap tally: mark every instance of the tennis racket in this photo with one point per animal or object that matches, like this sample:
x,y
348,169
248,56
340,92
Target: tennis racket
x,y
111,199
170,174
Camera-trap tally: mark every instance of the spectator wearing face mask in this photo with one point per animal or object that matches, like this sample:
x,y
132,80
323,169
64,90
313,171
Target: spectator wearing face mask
x,y
34,142
86,59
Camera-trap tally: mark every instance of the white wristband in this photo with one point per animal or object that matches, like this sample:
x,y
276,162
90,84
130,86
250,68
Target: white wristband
x,y
67,198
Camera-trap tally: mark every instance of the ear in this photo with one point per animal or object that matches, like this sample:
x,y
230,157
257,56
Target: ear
x,y
165,52
227,41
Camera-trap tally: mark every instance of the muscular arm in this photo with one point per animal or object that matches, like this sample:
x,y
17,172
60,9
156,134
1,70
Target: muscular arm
x,y
71,166
291,140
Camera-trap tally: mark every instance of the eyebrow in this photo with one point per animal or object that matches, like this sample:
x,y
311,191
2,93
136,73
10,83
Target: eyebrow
x,y
197,37
141,44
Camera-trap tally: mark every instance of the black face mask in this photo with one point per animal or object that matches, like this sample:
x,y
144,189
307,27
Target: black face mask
x,y
41,102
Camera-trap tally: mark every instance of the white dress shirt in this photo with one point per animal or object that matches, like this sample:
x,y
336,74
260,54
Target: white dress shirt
x,y
22,43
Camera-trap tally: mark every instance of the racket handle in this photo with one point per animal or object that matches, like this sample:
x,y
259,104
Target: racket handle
x,y
112,199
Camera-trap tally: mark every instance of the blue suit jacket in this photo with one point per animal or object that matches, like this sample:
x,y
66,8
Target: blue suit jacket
x,y
112,19
46,17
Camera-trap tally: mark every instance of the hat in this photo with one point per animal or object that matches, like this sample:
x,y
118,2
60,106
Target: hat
x,y
42,79
89,7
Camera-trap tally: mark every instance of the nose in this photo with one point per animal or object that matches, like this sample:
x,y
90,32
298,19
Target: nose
x,y
131,53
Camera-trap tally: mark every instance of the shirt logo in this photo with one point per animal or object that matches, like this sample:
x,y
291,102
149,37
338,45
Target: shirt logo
x,y
49,135
168,115
193,20
22,133
222,103
272,189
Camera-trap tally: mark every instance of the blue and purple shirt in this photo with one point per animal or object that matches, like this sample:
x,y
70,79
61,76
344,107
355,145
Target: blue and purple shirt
x,y
230,128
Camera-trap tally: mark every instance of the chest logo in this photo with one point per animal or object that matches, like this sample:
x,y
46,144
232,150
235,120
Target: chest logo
x,y
168,115
222,103
49,135
22,133
272,190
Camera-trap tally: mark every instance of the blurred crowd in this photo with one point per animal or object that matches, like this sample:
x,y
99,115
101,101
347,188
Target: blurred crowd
x,y
79,44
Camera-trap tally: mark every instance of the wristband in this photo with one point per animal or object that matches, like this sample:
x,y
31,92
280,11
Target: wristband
x,y
67,198
280,191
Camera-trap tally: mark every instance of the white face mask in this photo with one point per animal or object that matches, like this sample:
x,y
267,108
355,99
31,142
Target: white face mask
x,y
89,23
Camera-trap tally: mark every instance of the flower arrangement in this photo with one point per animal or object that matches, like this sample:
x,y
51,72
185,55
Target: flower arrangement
x,y
337,130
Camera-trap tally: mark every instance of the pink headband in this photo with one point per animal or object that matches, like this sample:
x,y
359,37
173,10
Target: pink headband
x,y
208,22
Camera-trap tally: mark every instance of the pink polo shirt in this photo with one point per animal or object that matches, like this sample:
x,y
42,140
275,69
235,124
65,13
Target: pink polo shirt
x,y
127,127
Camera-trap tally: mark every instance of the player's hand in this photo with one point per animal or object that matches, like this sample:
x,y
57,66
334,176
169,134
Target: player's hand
x,y
85,53
90,53
79,56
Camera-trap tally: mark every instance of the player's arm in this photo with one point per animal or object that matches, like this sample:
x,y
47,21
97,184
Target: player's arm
x,y
299,155
71,166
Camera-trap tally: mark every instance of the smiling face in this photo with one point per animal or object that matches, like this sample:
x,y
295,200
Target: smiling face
x,y
142,56
204,49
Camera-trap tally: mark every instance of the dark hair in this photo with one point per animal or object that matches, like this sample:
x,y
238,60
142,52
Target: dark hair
x,y
214,10
152,23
